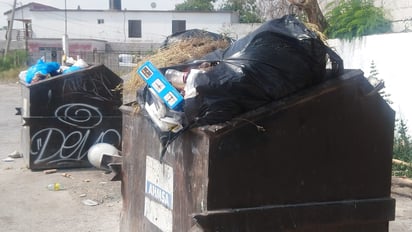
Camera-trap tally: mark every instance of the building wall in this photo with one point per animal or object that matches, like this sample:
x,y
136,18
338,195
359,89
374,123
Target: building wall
x,y
156,25
400,12
391,56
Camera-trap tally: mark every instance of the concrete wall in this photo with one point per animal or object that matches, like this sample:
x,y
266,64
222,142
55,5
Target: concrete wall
x,y
391,55
400,12
83,24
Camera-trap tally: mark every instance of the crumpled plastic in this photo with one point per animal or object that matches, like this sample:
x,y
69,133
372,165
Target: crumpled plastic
x,y
78,65
42,68
276,60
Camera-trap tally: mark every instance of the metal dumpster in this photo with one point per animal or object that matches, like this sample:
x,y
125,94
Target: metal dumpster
x,y
319,160
65,115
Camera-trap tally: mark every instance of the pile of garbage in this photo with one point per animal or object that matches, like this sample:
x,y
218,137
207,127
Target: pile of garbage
x,y
43,70
180,48
276,60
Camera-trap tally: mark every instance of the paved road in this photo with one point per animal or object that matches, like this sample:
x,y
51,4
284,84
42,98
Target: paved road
x,y
26,204
403,220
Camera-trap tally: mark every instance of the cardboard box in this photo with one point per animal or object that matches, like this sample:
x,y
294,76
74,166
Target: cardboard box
x,y
163,88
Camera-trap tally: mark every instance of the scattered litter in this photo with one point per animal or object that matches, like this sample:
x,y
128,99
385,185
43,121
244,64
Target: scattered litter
x,y
55,187
83,195
15,155
103,183
50,171
67,175
86,180
8,159
90,202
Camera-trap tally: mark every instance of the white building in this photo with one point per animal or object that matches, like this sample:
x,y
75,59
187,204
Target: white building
x,y
40,29
113,25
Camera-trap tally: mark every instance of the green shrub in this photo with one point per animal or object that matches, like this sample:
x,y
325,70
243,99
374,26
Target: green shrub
x,y
402,150
12,64
14,59
355,18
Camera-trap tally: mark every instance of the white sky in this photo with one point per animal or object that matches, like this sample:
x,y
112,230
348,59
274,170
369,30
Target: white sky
x,y
6,5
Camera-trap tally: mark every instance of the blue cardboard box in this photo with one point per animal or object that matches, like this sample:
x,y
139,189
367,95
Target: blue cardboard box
x,y
163,88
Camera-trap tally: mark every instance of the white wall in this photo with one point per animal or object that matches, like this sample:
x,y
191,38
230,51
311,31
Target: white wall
x,y
156,25
391,54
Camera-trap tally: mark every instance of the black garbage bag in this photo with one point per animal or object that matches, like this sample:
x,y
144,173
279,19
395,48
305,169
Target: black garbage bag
x,y
276,60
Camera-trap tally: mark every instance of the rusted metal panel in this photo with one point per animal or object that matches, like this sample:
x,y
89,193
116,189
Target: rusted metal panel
x,y
188,157
322,146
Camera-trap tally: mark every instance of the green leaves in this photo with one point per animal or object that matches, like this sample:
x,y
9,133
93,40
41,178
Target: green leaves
x,y
355,18
15,59
247,9
402,150
195,5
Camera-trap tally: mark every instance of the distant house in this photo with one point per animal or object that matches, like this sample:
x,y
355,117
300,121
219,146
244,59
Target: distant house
x,y
115,25
43,27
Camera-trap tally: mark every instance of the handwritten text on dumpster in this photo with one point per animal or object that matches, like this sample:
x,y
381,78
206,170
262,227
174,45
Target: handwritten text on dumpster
x,y
54,145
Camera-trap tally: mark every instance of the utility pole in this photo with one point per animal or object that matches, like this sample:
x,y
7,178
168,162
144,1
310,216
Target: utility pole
x,y
65,37
26,40
10,30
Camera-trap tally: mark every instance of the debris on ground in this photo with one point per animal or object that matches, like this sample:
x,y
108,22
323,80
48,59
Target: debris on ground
x,y
15,155
67,175
8,159
50,171
55,187
89,202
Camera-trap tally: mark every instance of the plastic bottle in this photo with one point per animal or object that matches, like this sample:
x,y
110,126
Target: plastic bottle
x,y
190,90
176,77
55,187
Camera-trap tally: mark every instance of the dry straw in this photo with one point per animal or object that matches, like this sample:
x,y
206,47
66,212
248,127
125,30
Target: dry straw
x,y
177,53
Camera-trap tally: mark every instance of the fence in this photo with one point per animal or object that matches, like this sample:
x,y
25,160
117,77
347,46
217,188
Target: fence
x,y
120,62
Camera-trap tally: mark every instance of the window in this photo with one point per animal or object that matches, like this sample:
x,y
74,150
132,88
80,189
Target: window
x,y
135,29
100,21
178,26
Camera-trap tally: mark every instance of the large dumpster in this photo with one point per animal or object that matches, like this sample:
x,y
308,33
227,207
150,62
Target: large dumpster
x,y
65,115
318,160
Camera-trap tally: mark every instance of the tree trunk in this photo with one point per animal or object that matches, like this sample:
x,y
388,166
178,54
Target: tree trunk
x,y
313,12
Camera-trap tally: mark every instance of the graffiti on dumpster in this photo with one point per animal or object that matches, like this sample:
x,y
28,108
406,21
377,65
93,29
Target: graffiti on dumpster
x,y
54,145
79,115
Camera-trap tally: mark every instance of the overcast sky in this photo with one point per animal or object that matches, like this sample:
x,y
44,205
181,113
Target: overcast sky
x,y
6,5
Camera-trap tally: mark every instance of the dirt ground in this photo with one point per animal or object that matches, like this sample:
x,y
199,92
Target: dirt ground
x,y
27,205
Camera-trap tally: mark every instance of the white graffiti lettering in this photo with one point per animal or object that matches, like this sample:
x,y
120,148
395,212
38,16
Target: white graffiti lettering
x,y
53,145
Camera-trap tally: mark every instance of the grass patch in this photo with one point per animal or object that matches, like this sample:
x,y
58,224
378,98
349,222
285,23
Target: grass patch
x,y
11,75
400,170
